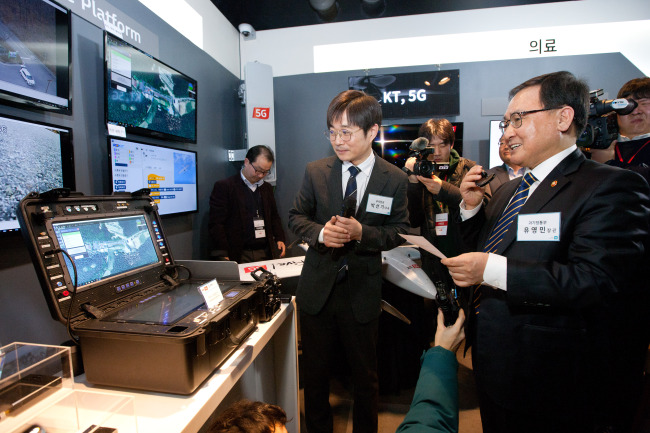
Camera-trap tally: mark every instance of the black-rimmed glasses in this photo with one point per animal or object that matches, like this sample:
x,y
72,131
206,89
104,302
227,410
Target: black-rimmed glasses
x,y
345,134
517,118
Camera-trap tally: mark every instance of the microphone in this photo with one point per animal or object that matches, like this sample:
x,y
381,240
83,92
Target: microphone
x,y
419,143
349,206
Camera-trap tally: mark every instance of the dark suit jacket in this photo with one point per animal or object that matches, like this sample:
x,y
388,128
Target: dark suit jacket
x,y
501,177
228,216
321,197
573,309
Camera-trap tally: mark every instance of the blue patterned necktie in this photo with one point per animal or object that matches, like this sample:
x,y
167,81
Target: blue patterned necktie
x,y
351,187
501,227
510,213
348,210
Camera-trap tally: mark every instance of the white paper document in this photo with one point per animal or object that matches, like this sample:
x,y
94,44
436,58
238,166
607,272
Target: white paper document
x,y
421,242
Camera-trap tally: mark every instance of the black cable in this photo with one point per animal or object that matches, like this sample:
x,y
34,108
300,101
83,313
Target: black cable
x,y
74,338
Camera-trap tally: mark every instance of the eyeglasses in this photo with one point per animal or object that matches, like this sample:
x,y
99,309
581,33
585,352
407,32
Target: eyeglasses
x,y
258,171
517,118
345,134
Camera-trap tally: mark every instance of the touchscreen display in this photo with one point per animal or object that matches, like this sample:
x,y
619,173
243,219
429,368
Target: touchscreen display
x,y
107,247
166,308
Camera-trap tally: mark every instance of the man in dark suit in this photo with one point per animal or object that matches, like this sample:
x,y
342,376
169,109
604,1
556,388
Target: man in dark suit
x,y
340,286
244,221
559,327
506,171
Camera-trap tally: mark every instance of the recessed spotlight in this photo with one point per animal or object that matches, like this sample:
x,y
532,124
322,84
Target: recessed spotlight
x,y
445,80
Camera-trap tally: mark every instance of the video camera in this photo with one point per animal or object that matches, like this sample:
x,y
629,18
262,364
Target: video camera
x,y
424,167
602,126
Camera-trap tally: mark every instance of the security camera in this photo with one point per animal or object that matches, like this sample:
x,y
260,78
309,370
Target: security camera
x,y
247,31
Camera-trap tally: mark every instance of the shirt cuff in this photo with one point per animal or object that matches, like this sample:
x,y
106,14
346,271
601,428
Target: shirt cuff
x,y
467,214
320,236
496,272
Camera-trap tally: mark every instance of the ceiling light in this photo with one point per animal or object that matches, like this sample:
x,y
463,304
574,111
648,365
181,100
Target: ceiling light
x,y
444,81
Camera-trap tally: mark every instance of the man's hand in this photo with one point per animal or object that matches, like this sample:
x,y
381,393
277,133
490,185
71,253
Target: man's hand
x,y
409,164
450,337
466,269
433,184
335,236
351,225
472,194
282,248
604,155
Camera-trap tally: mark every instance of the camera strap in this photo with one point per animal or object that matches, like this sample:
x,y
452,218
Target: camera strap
x,y
620,157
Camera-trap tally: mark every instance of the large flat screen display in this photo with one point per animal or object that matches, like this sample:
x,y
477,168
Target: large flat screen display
x,y
411,95
169,173
146,96
393,141
106,248
35,54
495,136
36,157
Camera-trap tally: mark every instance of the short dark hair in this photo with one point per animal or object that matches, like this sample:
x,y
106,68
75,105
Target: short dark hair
x,y
362,109
637,88
558,89
260,150
247,416
441,128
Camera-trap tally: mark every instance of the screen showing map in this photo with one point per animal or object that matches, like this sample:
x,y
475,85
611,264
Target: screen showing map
x,y
146,96
35,54
169,173
105,248
36,157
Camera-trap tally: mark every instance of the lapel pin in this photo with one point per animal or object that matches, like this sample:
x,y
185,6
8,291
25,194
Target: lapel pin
x,y
554,183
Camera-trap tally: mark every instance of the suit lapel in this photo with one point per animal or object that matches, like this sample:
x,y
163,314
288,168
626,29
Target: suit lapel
x,y
334,171
555,182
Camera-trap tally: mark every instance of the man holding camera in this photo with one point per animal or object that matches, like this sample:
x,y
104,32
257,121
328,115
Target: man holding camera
x,y
632,148
559,322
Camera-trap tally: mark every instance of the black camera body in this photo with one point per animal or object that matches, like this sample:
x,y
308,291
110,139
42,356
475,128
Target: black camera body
x,y
602,125
423,167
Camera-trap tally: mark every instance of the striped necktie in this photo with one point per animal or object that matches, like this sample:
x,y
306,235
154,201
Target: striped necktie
x,y
501,227
510,213
351,190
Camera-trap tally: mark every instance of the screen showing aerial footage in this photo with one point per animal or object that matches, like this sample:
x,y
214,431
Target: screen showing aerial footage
x,y
35,53
35,157
170,174
146,96
104,248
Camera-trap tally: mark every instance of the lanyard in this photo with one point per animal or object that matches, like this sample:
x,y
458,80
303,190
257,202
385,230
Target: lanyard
x,y
620,157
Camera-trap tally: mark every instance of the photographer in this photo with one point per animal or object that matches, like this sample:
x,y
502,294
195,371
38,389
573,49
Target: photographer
x,y
433,201
632,148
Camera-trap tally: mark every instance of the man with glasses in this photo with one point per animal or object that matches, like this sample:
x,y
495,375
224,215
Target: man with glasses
x,y
559,309
244,222
506,171
351,207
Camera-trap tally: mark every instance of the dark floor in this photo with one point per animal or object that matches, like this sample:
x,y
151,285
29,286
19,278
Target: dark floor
x,y
394,405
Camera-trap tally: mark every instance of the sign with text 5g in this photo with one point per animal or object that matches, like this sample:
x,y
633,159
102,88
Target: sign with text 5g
x,y
415,94
261,112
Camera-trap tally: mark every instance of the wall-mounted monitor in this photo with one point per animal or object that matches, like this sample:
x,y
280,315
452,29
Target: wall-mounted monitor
x,y
495,136
393,141
415,94
169,173
36,157
146,96
35,54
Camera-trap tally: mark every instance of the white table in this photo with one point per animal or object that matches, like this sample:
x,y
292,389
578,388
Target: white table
x,y
264,368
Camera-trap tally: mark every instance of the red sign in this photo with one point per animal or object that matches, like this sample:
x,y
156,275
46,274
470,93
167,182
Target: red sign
x,y
250,269
261,112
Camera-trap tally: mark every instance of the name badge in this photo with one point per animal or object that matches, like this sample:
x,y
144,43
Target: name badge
x,y
442,222
258,224
539,227
379,204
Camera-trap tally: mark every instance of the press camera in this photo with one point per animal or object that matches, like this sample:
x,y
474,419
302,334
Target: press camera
x,y
424,167
602,126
